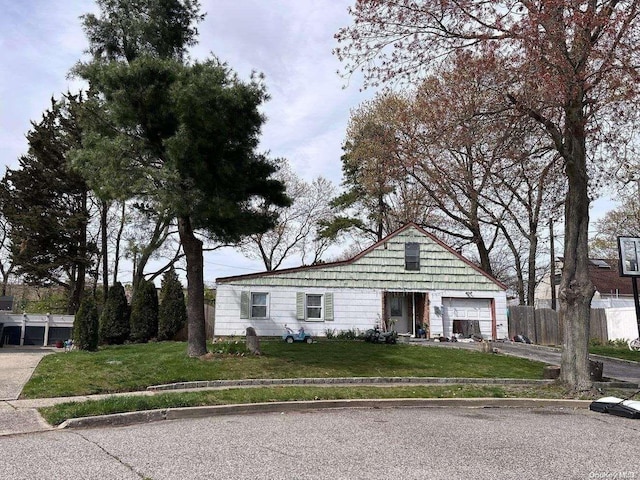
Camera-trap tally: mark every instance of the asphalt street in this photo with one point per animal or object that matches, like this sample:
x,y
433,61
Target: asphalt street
x,y
418,443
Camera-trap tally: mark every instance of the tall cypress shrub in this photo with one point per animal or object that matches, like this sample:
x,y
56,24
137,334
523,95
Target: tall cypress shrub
x,y
114,321
144,312
172,315
85,325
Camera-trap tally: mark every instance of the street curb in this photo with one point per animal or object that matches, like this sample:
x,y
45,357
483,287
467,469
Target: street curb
x,y
131,418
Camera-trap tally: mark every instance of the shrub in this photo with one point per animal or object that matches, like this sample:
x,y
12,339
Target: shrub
x,y
230,347
144,312
172,314
351,334
114,320
330,333
85,325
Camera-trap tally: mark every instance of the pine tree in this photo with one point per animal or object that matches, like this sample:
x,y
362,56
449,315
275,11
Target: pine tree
x,y
114,321
144,312
172,315
85,325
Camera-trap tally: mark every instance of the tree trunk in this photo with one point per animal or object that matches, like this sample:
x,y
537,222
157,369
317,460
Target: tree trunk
x,y
116,255
79,269
576,289
104,211
197,342
531,265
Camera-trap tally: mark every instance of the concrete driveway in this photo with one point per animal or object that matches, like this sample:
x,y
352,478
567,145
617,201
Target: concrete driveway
x,y
16,366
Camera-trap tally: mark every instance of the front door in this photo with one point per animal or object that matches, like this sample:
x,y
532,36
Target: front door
x,y
398,312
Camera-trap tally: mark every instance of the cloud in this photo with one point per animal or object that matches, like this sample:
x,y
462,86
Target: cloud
x,y
290,41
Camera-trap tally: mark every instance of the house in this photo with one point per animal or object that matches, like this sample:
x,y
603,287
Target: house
x,y
407,280
611,290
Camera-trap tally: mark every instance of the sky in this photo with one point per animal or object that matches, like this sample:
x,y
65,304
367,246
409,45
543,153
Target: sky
x,y
289,41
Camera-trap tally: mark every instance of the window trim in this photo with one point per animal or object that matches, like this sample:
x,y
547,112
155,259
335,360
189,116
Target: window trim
x,y
412,258
320,307
252,304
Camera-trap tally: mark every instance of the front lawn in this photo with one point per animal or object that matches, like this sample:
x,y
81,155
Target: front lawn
x,y
57,414
134,367
616,351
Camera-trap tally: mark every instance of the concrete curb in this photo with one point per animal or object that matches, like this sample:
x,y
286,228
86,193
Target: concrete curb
x,y
131,418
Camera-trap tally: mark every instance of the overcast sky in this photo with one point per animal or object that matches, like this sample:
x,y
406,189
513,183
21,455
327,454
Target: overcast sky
x,y
290,41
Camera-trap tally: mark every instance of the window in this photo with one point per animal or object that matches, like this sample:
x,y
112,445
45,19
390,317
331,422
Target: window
x,y
412,256
259,305
396,306
314,307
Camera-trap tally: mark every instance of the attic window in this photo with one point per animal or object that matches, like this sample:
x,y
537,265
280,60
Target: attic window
x,y
412,256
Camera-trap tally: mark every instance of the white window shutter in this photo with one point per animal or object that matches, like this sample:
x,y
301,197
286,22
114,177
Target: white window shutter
x,y
328,306
300,306
244,304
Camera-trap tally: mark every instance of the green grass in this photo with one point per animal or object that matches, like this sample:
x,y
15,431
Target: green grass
x,y
622,352
134,367
57,414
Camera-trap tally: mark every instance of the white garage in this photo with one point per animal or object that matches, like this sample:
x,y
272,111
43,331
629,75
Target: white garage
x,y
467,316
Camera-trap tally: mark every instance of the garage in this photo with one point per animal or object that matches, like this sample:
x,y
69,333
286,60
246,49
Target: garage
x,y
464,317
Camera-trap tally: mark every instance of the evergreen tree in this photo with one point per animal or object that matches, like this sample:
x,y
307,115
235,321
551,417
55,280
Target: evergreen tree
x,y
172,315
46,203
189,131
85,325
144,312
114,321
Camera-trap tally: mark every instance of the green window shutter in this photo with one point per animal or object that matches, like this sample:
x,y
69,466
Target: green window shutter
x,y
244,304
328,306
300,306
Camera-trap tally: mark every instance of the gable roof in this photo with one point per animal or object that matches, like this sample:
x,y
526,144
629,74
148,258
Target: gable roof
x,y
382,266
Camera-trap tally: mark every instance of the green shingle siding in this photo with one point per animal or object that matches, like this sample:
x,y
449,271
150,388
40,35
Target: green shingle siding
x,y
383,268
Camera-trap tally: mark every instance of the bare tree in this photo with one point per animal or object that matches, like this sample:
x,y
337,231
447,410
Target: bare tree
x,y
296,231
569,65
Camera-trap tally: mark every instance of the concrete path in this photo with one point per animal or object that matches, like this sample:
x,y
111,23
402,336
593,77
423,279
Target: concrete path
x,y
16,366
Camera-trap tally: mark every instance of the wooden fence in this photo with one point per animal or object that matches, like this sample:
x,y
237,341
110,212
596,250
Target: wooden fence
x,y
209,319
541,325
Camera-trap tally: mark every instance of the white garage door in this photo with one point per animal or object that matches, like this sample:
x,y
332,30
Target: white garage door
x,y
478,309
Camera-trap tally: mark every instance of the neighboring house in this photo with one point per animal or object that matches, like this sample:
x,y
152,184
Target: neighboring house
x,y
34,329
407,280
612,290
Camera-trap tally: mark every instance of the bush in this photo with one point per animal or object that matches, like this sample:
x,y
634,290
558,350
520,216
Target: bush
x,y
85,325
172,314
351,334
330,333
144,312
114,321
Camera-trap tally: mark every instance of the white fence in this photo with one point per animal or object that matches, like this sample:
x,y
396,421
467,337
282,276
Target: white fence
x,y
622,323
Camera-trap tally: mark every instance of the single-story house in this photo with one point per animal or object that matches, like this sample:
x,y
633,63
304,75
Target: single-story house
x,y
406,281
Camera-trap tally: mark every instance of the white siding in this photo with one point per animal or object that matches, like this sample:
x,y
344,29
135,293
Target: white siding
x,y
352,309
